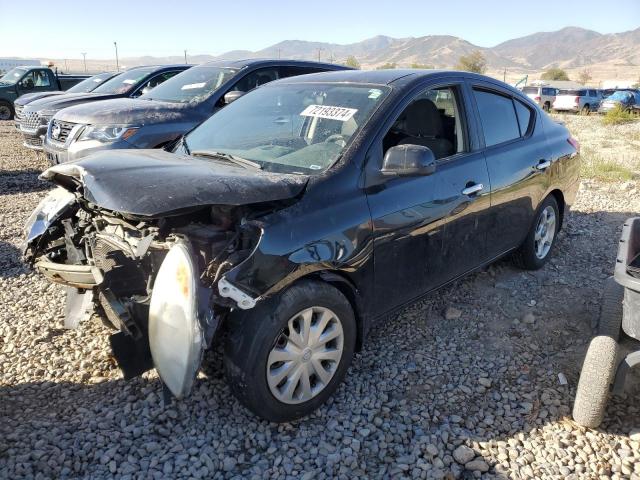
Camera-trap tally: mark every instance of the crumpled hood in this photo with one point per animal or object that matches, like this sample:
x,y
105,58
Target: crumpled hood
x,y
59,102
156,183
125,111
32,97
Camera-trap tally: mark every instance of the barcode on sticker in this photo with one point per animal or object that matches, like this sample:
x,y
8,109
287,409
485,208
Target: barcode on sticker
x,y
327,111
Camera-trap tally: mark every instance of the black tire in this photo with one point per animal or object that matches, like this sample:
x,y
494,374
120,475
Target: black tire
x,y
253,333
610,321
525,257
6,110
546,107
597,374
586,110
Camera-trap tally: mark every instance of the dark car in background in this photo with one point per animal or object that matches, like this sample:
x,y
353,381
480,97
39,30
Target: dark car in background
x,y
29,79
86,85
36,115
167,112
298,217
628,100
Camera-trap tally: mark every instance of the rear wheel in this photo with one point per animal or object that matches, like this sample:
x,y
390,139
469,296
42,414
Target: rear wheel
x,y
586,110
6,110
536,248
546,107
286,356
610,320
597,374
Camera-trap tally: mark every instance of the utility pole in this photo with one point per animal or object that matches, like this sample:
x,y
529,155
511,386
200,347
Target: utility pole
x,y
279,53
84,59
65,66
504,75
319,50
185,57
115,44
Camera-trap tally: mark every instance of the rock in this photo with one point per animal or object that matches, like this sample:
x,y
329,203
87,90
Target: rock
x,y
477,465
229,463
452,313
529,318
463,454
634,435
485,382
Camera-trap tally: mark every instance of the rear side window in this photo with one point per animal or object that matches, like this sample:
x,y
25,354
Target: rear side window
x,y
593,93
293,71
524,116
498,117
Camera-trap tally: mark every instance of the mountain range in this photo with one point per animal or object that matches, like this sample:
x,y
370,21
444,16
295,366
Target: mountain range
x,y
569,47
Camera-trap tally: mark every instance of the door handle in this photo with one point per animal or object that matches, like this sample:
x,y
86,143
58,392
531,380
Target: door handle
x,y
543,164
475,188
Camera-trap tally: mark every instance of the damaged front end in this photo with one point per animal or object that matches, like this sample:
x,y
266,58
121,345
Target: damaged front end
x,y
159,281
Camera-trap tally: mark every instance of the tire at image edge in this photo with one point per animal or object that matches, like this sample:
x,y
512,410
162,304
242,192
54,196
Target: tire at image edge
x,y
598,370
252,334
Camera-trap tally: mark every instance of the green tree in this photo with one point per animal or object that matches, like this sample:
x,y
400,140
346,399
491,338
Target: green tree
x,y
555,74
422,66
474,62
387,66
584,76
352,62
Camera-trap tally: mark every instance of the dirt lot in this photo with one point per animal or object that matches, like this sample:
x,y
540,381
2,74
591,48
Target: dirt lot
x,y
462,385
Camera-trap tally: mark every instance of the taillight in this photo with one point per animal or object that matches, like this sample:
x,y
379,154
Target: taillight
x,y
574,143
576,100
537,99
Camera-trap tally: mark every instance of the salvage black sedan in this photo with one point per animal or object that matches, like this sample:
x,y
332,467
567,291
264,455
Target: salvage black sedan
x,y
296,218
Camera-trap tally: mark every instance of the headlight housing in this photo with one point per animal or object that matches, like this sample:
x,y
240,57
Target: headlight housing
x,y
107,133
176,338
45,213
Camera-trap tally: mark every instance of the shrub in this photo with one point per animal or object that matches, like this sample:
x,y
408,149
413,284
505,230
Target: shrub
x,y
617,116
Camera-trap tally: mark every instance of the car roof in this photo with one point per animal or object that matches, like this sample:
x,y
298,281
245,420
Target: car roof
x,y
397,77
265,62
157,68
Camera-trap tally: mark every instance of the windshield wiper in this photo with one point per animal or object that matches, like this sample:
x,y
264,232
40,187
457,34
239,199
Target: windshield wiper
x,y
227,156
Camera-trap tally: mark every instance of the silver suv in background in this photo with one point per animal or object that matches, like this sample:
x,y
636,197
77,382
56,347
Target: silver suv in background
x,y
543,96
581,100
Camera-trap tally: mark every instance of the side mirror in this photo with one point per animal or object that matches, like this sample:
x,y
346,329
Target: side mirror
x,y
232,96
408,160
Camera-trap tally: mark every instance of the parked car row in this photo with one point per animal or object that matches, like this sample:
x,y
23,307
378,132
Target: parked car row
x,y
583,100
288,213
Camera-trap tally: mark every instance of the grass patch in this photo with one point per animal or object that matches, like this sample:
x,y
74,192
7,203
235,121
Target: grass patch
x,y
618,116
597,167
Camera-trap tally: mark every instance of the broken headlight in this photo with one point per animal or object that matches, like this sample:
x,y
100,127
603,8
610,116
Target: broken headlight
x,y
175,335
107,133
45,213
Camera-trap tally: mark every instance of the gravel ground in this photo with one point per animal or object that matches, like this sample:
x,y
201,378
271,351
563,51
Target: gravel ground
x,y
462,385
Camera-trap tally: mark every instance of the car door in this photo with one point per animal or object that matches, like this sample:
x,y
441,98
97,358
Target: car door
x,y
429,229
518,160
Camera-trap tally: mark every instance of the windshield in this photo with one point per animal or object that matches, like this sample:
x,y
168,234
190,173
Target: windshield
x,y
193,85
619,96
526,90
13,75
90,83
295,128
125,82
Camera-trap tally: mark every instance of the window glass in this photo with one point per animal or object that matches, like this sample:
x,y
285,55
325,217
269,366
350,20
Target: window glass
x,y
125,82
256,78
498,117
292,128
573,93
292,71
432,120
530,90
41,78
524,116
193,85
13,76
592,93
90,83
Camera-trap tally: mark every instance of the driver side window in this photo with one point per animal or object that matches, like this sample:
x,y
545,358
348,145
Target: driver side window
x,y
433,120
256,78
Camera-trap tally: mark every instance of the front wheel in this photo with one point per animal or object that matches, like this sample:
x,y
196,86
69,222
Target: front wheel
x,y
6,111
536,248
286,356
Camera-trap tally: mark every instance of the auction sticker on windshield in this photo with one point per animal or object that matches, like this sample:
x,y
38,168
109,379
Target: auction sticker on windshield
x,y
191,86
327,111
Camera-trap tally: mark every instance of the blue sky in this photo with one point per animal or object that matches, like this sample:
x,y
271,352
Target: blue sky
x,y
54,29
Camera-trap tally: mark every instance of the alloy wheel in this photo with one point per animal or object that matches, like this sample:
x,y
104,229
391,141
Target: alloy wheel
x,y
5,112
305,356
545,232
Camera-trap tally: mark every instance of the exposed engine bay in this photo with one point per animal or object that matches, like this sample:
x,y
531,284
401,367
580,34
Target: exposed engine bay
x,y
109,263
